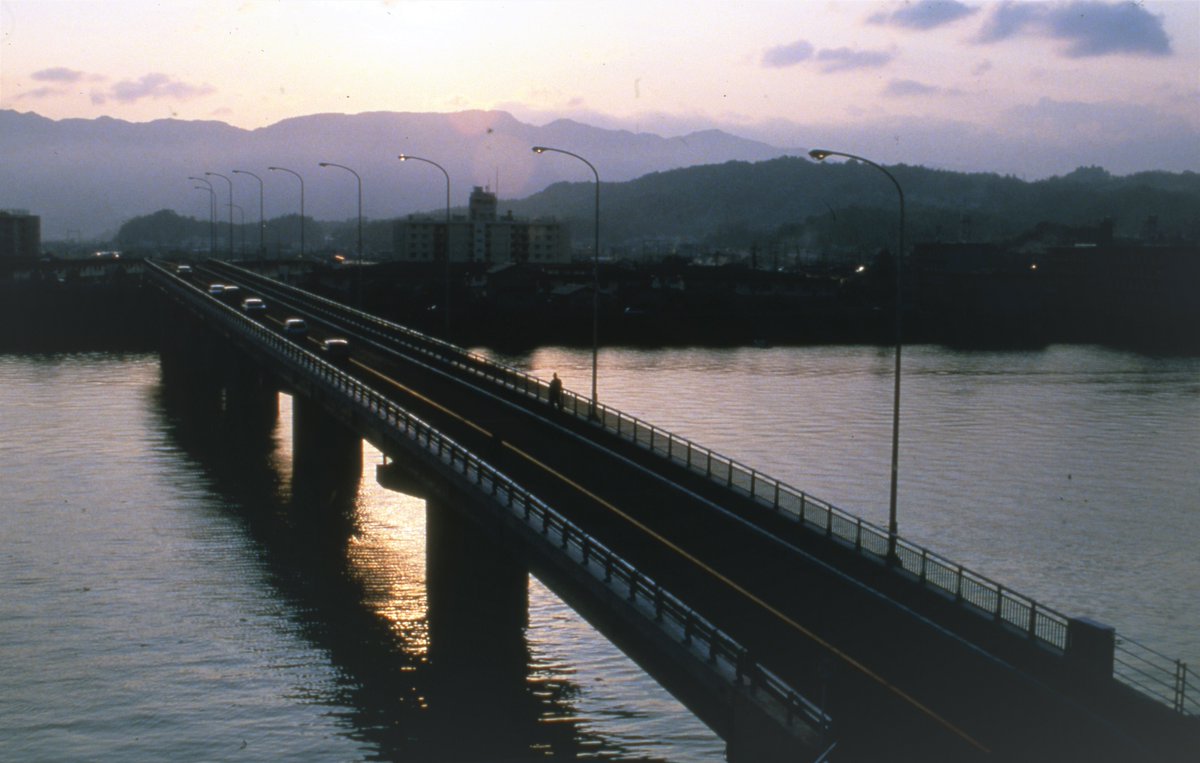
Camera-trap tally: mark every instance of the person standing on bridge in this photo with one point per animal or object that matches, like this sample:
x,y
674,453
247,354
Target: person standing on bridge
x,y
556,398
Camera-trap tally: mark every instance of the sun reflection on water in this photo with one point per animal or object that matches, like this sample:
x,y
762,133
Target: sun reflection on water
x,y
387,556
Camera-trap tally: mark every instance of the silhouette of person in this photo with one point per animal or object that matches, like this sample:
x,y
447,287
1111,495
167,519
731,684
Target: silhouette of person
x,y
556,398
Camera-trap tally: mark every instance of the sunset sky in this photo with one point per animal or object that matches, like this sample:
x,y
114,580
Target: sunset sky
x,y
1121,77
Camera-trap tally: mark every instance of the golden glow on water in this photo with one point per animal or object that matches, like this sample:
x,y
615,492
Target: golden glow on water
x,y
387,555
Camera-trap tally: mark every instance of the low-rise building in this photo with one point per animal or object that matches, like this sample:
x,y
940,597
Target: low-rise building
x,y
20,234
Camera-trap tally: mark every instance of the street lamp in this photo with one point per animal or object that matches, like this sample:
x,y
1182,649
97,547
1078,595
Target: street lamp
x,y
821,155
212,206
359,179
297,174
227,180
262,245
241,230
212,216
408,157
595,270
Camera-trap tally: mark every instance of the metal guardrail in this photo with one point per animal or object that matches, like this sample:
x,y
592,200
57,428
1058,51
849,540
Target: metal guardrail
x,y
1155,675
972,590
679,621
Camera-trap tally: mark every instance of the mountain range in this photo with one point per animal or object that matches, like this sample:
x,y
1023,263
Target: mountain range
x,y
84,177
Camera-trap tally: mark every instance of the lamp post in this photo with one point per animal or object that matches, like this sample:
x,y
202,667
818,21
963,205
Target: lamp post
x,y
297,174
821,155
230,182
212,206
241,230
359,179
212,216
595,271
405,158
262,244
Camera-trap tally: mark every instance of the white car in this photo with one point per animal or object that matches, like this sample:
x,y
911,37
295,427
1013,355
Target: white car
x,y
253,305
295,327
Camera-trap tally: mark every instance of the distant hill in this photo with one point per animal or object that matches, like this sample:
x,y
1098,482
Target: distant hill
x,y
794,199
87,176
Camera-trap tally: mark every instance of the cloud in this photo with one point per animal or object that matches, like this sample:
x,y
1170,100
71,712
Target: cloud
x,y
787,55
830,60
41,92
844,59
154,85
903,88
926,14
58,74
1088,27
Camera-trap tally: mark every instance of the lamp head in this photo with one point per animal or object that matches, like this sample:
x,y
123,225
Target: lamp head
x,y
820,154
402,158
539,149
322,164
207,173
272,168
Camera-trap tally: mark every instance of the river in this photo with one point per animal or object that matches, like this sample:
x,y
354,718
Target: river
x,y
161,600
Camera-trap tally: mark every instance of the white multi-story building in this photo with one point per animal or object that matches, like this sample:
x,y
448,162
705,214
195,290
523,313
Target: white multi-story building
x,y
481,236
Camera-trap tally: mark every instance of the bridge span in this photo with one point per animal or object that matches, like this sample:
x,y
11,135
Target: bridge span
x,y
781,621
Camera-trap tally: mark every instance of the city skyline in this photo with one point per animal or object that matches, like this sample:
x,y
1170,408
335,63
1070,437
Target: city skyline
x,y
968,86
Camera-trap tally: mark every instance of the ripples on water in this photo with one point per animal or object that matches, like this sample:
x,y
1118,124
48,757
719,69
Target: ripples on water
x,y
163,598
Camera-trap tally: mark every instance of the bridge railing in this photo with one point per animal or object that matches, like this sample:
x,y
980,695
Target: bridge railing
x,y
972,590
693,632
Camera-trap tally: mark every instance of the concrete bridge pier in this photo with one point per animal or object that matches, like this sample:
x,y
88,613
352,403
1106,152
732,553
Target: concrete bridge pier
x,y
478,609
326,456
251,394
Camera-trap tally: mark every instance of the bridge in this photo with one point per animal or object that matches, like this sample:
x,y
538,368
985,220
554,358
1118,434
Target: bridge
x,y
782,622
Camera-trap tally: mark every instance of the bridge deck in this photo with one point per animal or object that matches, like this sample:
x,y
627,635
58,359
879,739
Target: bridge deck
x,y
903,673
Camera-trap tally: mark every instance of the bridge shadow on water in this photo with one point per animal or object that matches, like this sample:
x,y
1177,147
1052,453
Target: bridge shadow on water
x,y
432,668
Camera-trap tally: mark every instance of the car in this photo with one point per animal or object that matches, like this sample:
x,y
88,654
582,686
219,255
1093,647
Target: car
x,y
216,289
253,305
336,350
184,270
295,327
230,294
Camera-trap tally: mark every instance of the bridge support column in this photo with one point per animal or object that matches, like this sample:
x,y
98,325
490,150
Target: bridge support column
x,y
478,600
326,455
251,394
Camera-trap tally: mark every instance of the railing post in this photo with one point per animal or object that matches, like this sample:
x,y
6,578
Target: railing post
x,y
858,535
999,602
753,477
924,561
1180,685
689,454
1032,618
803,502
